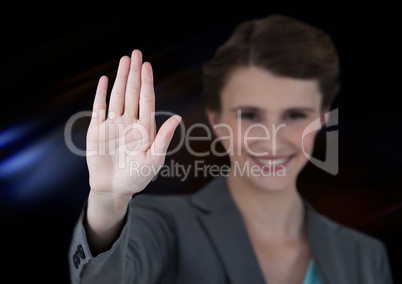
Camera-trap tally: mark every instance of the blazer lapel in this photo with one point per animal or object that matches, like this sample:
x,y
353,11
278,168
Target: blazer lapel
x,y
223,224
335,258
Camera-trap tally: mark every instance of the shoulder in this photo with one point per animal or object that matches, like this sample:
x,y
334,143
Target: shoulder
x,y
213,194
161,201
363,239
177,204
357,250
351,235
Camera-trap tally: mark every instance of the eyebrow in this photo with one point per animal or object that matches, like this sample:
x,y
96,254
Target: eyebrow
x,y
257,109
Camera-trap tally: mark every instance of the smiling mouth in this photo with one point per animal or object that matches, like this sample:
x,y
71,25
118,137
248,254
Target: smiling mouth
x,y
272,161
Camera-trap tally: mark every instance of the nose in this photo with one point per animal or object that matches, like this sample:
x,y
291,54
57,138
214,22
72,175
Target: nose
x,y
265,139
278,138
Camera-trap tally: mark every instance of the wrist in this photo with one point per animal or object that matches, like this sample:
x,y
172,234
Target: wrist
x,y
104,212
110,201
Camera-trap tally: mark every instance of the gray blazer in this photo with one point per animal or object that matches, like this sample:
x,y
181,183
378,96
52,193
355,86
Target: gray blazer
x,y
200,238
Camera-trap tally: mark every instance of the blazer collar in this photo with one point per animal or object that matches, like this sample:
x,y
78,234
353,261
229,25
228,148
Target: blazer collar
x,y
223,223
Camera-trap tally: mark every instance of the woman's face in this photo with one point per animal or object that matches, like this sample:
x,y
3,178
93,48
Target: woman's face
x,y
261,125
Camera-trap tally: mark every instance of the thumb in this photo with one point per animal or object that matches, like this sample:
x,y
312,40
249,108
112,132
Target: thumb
x,y
164,136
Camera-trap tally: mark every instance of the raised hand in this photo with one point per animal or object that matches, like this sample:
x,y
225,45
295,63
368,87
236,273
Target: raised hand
x,y
121,136
122,139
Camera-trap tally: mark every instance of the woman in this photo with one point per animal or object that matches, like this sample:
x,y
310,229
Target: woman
x,y
264,86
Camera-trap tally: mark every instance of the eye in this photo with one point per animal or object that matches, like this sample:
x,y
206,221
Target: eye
x,y
248,115
295,115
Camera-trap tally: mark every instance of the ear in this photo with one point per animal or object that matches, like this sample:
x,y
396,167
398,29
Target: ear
x,y
214,118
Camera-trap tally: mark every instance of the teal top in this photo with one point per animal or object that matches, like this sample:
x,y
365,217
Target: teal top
x,y
312,276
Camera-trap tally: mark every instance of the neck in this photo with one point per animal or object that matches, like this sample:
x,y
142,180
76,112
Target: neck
x,y
276,215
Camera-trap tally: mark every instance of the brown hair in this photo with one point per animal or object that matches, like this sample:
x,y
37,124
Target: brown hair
x,y
281,44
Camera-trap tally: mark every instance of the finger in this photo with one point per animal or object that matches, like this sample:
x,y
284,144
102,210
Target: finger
x,y
147,100
116,104
165,134
99,104
133,85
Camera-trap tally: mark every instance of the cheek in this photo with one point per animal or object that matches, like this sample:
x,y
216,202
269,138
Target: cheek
x,y
227,133
295,134
306,142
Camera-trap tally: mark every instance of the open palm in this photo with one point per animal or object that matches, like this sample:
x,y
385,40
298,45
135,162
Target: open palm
x,y
121,138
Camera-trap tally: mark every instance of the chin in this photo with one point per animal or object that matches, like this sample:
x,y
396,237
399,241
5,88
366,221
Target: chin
x,y
271,184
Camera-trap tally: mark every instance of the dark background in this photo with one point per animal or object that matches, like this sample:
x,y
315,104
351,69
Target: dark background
x,y
53,53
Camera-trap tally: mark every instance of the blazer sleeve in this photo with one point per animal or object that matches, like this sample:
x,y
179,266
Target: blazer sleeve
x,y
139,255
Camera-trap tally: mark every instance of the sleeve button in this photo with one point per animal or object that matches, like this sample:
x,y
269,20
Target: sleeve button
x,y
76,260
80,251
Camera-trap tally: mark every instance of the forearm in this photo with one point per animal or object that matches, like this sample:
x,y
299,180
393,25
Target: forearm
x,y
104,220
138,252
